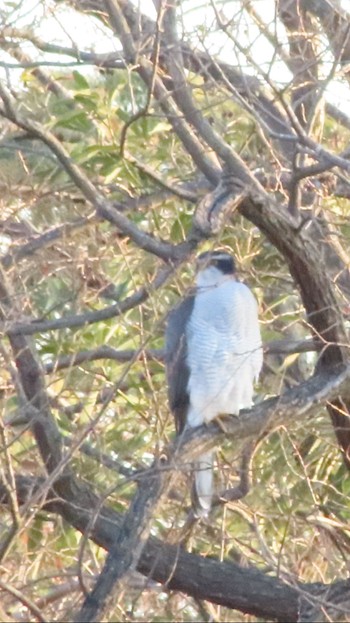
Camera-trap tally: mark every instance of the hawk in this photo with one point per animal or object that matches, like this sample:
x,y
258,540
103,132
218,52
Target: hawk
x,y
213,356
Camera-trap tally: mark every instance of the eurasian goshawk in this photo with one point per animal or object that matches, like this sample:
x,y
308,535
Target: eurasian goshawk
x,y
213,355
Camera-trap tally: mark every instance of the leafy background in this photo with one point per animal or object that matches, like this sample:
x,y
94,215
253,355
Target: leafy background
x,y
293,522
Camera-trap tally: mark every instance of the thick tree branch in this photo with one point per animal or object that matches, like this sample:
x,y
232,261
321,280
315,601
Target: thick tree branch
x,y
254,593
318,295
166,65
127,548
202,578
32,388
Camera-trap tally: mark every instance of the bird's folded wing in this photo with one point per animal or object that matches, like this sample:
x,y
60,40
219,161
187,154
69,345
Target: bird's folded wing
x,y
176,361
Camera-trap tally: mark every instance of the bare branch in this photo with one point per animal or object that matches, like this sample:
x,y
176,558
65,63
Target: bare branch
x,y
103,208
275,347
41,241
81,320
102,352
130,541
205,163
201,577
107,59
31,607
124,555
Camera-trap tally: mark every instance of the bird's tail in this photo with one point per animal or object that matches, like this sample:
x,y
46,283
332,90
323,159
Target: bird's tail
x,y
202,491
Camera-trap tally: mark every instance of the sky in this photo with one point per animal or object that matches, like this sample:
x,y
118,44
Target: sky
x,y
59,24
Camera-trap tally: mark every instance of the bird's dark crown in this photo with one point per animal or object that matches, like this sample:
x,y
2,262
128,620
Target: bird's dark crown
x,y
222,260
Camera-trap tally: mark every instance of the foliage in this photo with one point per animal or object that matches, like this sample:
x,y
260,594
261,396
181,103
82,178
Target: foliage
x,y
258,93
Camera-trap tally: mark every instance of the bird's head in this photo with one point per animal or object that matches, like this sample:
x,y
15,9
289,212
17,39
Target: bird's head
x,y
213,267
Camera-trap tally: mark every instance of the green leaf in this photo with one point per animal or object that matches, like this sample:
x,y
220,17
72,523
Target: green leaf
x,y
80,80
74,120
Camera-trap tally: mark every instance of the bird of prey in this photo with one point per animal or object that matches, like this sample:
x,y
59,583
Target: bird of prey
x,y
213,356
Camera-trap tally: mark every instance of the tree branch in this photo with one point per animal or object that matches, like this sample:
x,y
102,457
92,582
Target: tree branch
x,y
275,347
203,578
103,208
81,320
41,241
32,388
129,544
205,163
